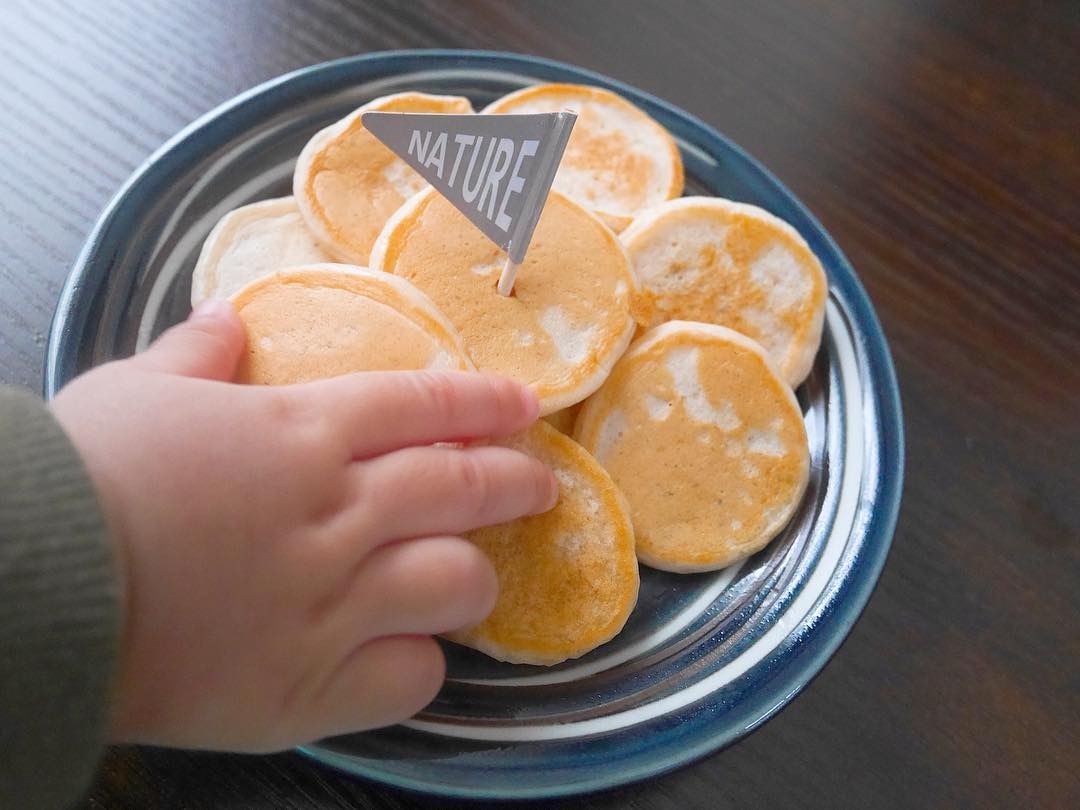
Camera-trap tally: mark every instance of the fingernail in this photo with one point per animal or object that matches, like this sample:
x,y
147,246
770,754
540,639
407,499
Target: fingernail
x,y
210,309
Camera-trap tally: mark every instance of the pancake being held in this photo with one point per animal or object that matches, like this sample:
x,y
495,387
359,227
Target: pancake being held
x,y
563,421
618,161
569,317
568,578
347,183
324,320
704,439
717,261
249,243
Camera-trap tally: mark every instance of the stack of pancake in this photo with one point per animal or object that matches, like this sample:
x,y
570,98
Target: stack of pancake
x,y
663,336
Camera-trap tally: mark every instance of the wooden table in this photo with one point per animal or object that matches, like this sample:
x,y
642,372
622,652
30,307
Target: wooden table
x,y
938,142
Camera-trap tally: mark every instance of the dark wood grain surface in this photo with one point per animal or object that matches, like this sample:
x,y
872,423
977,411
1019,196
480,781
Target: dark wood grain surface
x,y
939,142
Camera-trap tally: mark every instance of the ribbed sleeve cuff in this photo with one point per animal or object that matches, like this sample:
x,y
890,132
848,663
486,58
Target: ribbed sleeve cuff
x,y
59,611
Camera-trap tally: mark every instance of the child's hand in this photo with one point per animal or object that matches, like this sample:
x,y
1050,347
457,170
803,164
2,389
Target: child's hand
x,y
288,552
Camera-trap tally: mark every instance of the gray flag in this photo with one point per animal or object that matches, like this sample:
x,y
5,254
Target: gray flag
x,y
495,169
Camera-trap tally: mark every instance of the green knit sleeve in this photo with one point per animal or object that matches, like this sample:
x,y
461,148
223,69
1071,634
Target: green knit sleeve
x,y
59,611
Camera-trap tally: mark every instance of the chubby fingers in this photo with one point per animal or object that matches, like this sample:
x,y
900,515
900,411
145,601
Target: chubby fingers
x,y
402,593
377,683
208,344
387,667
427,586
424,491
387,410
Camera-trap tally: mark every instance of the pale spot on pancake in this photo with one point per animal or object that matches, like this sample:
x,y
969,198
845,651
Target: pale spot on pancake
x,y
683,365
748,469
572,343
570,489
778,272
772,514
736,525
570,543
266,344
621,288
269,244
610,433
525,338
659,409
486,268
704,438
771,332
678,262
764,442
564,477
402,178
443,360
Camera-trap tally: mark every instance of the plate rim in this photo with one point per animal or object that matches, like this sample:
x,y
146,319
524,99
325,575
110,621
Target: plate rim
x,y
847,599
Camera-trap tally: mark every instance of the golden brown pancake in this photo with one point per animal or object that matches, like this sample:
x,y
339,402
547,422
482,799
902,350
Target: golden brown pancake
x,y
568,578
618,161
568,318
717,261
324,320
251,242
704,439
347,183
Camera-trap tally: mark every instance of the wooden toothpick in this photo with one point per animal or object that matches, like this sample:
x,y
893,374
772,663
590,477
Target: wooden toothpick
x,y
506,278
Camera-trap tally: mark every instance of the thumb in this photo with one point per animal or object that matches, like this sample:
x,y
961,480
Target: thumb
x,y
208,344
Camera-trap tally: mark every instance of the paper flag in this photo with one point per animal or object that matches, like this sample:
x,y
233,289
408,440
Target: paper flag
x,y
496,169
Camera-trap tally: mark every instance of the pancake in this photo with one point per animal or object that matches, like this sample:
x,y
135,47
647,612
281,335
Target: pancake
x,y
704,439
568,319
717,261
618,161
323,320
563,421
251,242
347,183
568,578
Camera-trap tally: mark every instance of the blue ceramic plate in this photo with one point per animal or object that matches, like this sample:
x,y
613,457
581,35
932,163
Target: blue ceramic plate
x,y
705,658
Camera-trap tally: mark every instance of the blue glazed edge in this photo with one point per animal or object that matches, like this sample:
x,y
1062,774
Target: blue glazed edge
x,y
773,682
